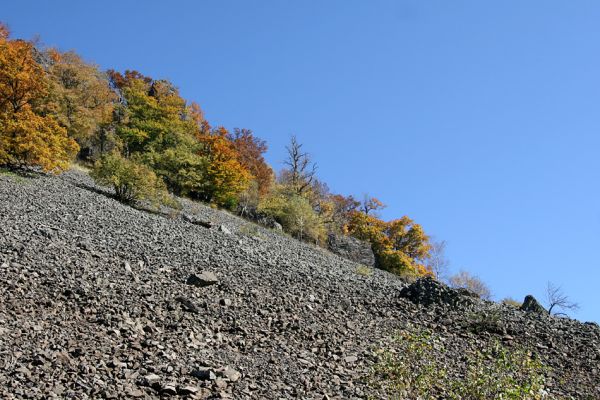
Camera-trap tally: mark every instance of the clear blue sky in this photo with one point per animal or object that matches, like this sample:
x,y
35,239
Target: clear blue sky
x,y
478,119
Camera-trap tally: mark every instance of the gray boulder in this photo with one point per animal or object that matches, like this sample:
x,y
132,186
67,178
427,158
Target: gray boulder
x,y
351,249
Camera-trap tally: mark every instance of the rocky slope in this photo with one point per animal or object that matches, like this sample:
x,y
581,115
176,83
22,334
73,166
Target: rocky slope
x,y
100,300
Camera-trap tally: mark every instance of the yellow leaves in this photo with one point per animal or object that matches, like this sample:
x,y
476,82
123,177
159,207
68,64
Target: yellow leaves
x,y
227,177
21,79
28,139
399,245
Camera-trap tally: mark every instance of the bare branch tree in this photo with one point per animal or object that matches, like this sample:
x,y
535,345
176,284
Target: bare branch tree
x,y
557,299
437,262
371,204
302,170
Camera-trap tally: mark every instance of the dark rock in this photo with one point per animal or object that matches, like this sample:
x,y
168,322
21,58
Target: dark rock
x,y
530,304
204,374
187,304
225,302
206,278
428,291
351,249
196,221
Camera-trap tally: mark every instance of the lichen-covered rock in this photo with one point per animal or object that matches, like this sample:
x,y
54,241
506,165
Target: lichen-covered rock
x,y
351,249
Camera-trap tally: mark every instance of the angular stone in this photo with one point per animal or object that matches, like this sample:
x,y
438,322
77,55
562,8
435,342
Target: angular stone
x,y
224,229
225,302
229,373
204,374
206,278
187,305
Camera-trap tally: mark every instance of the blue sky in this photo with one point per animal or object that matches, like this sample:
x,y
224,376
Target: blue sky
x,y
478,119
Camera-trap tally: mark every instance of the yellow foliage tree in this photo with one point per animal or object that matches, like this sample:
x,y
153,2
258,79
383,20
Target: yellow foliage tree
x,y
28,138
79,96
400,246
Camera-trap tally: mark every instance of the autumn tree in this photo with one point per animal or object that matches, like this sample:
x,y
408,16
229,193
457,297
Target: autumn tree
x,y
80,97
152,117
27,136
130,179
341,209
251,152
400,246
294,213
226,177
155,122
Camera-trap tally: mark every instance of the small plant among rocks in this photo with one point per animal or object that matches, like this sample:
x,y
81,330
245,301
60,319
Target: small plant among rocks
x,y
19,178
250,230
414,370
489,321
364,270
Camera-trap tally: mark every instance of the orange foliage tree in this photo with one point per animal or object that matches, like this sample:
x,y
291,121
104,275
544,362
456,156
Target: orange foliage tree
x,y
226,177
28,137
250,151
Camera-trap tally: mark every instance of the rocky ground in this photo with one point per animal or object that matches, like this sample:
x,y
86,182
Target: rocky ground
x,y
101,300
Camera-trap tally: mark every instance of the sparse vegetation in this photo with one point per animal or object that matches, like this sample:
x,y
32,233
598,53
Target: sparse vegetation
x,y
511,302
364,270
414,370
250,230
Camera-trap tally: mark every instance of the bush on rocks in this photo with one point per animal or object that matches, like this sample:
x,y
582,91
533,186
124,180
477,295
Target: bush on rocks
x,y
415,371
130,180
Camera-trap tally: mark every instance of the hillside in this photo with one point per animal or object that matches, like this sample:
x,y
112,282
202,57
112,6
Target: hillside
x,y
97,302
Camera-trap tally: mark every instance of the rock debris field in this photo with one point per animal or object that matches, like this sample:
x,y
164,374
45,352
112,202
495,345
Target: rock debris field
x,y
102,300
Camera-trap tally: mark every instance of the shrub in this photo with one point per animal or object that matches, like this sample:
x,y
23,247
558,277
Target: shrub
x,y
295,215
130,180
364,270
465,280
511,302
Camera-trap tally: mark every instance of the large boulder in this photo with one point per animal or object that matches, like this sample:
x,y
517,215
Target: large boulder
x,y
351,249
530,304
428,291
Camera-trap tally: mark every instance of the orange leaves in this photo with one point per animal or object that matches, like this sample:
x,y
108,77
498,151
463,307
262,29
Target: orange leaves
x,y
21,79
26,137
250,151
226,176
